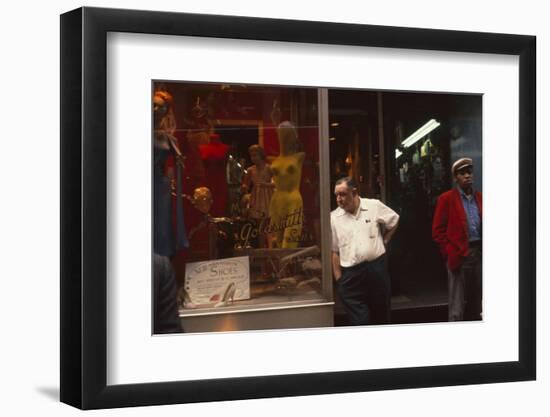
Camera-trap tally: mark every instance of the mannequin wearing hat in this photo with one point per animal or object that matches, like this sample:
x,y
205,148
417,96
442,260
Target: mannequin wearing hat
x,y
456,228
286,204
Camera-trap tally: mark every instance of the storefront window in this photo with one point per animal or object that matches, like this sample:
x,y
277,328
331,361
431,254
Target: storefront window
x,y
237,193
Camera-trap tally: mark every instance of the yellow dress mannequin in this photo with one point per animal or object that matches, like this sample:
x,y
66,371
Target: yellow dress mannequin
x,y
285,209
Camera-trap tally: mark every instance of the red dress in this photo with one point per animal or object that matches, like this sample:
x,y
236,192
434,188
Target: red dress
x,y
214,156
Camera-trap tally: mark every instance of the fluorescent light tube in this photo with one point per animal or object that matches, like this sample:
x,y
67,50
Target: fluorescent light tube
x,y
420,133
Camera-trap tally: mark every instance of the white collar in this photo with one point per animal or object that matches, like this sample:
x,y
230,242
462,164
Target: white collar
x,y
362,207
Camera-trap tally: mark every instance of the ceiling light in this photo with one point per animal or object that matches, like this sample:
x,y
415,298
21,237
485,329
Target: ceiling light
x,y
420,133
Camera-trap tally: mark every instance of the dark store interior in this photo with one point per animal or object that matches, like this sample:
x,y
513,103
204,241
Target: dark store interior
x,y
362,123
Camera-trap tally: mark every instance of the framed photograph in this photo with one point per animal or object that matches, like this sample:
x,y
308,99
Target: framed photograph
x,y
257,208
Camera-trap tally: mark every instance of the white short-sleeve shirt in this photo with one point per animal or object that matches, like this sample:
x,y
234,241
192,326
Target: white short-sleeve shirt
x,y
358,237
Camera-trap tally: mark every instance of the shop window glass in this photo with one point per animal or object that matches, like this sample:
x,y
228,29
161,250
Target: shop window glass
x,y
236,193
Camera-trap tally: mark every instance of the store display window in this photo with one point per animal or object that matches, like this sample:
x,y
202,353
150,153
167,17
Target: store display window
x,y
236,194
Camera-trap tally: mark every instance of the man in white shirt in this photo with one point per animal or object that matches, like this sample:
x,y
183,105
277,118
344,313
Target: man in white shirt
x,y
361,230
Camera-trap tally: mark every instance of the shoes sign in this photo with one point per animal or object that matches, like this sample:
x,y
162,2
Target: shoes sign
x,y
219,282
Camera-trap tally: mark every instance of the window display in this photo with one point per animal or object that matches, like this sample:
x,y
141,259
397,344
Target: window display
x,y
238,161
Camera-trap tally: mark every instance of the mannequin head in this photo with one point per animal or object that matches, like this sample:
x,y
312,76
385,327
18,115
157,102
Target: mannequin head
x,y
288,138
257,154
202,199
162,110
198,111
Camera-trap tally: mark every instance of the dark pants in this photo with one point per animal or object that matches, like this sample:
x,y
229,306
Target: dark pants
x,y
465,287
365,292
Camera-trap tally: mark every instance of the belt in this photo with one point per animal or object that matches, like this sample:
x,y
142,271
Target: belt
x,y
362,264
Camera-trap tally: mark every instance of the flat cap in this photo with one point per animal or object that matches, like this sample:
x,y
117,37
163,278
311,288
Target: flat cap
x,y
461,163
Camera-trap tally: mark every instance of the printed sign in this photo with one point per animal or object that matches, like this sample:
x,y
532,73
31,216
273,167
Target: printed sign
x,y
218,282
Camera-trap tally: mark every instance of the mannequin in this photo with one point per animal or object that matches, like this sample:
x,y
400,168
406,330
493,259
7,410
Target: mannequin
x,y
257,182
221,239
167,239
286,204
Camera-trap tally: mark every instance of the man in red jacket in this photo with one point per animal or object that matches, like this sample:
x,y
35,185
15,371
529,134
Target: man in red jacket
x,y
456,229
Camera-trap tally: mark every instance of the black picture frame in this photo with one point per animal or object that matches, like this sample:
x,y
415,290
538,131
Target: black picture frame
x,y
84,206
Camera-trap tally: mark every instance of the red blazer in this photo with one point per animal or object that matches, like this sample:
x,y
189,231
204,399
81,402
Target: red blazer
x,y
450,227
